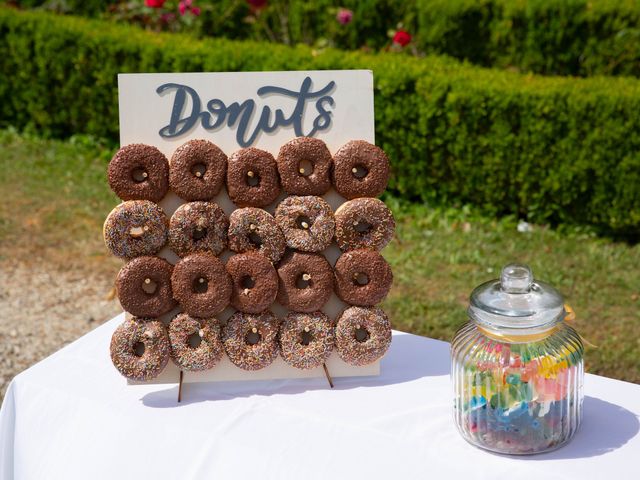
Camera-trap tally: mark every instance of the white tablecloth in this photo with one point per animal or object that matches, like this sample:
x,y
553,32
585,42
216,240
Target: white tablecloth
x,y
72,416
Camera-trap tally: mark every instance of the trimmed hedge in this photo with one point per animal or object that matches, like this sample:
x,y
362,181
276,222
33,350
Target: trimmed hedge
x,y
563,37
548,149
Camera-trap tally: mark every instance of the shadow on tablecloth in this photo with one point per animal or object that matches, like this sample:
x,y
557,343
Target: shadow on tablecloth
x,y
605,428
410,358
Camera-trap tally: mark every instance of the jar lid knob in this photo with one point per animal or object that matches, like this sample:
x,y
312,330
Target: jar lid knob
x,y
516,278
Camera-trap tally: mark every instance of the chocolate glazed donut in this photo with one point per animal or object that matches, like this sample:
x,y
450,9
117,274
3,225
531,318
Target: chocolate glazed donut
x,y
251,340
198,227
144,287
139,172
308,223
363,277
360,170
304,164
364,223
201,285
197,170
135,228
306,281
252,229
306,339
207,350
363,335
140,348
252,178
254,280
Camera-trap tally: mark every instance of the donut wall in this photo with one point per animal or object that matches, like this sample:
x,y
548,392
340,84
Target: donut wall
x,y
250,251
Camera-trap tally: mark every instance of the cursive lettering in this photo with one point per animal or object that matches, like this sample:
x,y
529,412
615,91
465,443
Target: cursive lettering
x,y
217,114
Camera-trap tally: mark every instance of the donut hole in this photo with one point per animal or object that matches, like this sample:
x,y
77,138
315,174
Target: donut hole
x,y
200,285
360,279
198,170
149,286
199,233
255,239
252,179
139,175
252,338
306,337
247,282
305,167
359,171
138,349
303,281
362,227
361,334
194,340
303,222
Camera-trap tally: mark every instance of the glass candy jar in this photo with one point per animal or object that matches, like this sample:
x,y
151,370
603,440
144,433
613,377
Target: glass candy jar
x,y
517,367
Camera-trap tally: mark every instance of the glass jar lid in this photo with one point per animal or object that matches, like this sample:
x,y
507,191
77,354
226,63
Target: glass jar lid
x,y
516,301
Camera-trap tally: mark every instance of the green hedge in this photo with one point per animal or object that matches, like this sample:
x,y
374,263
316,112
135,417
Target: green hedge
x,y
548,149
564,37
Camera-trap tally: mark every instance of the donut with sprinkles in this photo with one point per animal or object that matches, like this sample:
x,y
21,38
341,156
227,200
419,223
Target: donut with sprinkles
x,y
306,339
136,228
363,335
251,340
140,348
207,332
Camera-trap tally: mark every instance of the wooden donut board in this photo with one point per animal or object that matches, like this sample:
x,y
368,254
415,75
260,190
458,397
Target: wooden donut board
x,y
143,112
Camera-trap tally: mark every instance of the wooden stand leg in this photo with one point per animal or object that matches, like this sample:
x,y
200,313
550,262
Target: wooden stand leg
x,y
180,388
326,372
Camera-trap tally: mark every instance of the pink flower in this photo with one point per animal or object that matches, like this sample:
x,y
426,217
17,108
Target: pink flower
x,y
402,38
187,6
344,16
154,3
167,17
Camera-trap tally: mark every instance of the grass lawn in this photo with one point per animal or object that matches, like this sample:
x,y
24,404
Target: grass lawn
x,y
55,198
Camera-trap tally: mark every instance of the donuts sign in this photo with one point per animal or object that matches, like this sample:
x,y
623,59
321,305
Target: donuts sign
x,y
214,114
259,109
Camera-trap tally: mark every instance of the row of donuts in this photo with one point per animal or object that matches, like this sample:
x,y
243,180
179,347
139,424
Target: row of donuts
x,y
254,178
204,286
304,223
141,348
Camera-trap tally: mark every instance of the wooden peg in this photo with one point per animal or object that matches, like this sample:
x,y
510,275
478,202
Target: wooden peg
x,y
326,373
136,232
180,387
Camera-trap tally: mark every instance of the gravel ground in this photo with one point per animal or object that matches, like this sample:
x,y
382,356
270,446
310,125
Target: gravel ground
x,y
43,308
